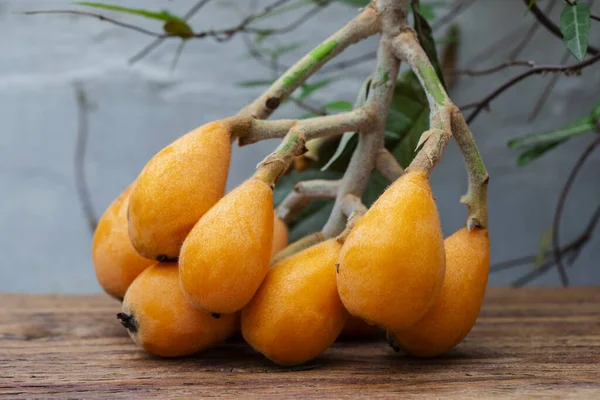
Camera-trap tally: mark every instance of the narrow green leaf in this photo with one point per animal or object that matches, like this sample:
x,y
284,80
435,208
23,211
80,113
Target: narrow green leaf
x,y
346,137
160,15
425,36
405,150
361,98
575,25
535,152
427,11
254,83
355,3
579,127
338,105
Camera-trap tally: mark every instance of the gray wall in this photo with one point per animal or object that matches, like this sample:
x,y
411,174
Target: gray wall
x,y
140,109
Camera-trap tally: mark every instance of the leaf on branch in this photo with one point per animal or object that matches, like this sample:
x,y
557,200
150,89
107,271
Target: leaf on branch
x,y
579,127
408,118
539,144
361,98
338,105
174,25
355,3
254,83
575,25
425,36
313,217
160,15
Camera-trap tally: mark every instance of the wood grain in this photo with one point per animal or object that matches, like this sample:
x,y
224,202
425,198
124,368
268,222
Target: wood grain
x,y
527,343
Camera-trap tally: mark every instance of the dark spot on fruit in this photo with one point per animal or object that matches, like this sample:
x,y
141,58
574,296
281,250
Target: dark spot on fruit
x,y
128,321
337,268
215,315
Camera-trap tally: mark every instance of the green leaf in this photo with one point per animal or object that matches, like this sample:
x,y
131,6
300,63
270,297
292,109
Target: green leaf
x,y
405,150
575,25
346,137
360,100
425,36
160,15
338,105
528,156
579,127
375,187
313,217
174,25
178,28
427,11
254,83
355,3
531,4
309,88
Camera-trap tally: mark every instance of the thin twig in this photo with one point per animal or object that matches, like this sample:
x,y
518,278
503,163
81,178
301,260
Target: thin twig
x,y
497,68
547,90
101,18
560,206
540,69
502,43
530,33
156,42
81,185
551,26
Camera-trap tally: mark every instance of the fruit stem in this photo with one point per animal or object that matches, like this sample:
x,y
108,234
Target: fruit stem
x,y
298,245
303,193
365,24
301,131
387,164
371,140
446,121
353,209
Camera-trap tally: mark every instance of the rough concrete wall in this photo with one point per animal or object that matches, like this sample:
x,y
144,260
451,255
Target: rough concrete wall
x,y
140,109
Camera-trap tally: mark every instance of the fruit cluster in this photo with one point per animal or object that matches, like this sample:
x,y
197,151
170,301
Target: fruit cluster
x,y
193,265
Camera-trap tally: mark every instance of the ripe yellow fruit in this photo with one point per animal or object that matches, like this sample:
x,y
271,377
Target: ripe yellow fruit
x,y
162,322
226,256
454,313
116,263
296,313
177,186
280,235
392,263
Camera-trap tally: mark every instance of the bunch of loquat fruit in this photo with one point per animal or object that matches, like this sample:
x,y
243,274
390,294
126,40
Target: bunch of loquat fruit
x,y
192,265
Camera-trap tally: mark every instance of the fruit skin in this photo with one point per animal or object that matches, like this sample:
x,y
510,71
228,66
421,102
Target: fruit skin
x,y
177,186
116,263
226,256
296,313
392,263
454,313
161,321
280,236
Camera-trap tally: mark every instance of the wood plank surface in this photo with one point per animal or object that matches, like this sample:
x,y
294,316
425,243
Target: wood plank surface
x,y
527,343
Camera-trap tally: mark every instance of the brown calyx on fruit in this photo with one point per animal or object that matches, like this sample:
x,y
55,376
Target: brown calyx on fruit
x,y
128,321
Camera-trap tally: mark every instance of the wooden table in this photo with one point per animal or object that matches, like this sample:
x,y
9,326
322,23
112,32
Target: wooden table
x,y
534,342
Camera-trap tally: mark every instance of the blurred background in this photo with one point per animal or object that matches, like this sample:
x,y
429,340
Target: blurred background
x,y
75,109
